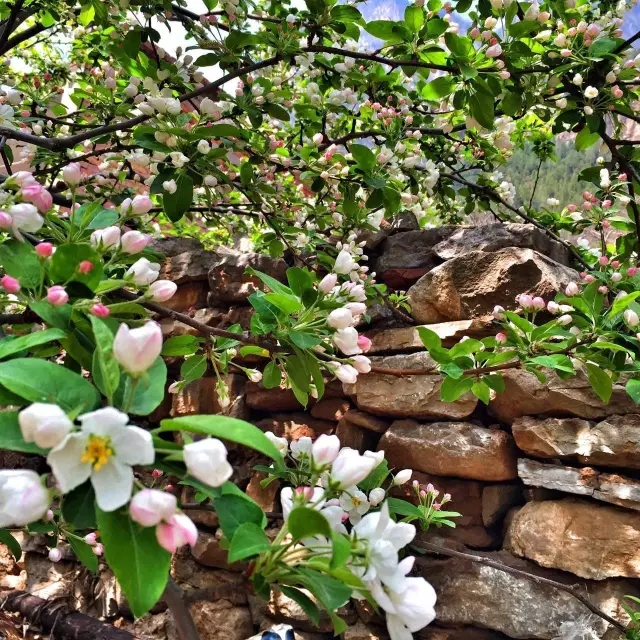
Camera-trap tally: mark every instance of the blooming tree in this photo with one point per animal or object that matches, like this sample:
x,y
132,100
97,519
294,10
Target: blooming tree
x,y
319,126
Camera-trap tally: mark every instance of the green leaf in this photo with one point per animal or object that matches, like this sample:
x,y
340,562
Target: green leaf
x,y
10,345
64,265
304,522
511,103
365,158
19,259
43,381
602,46
452,389
414,17
304,340
278,112
341,549
226,428
300,280
404,508
181,346
84,552
11,543
176,204
234,511
633,389
79,508
376,477
586,139
621,303
288,304
248,540
306,603
148,393
482,109
193,368
461,47
430,339
345,13
383,29
559,362
600,381
273,284
59,317
11,436
104,364
438,88
482,391
138,562
330,592
271,376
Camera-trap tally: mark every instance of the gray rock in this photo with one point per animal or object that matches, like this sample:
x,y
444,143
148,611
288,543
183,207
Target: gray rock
x,y
472,284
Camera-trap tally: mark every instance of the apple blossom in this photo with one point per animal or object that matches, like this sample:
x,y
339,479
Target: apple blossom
x,y
44,249
344,263
23,497
149,507
45,424
143,272
72,174
402,477
206,461
55,555
350,468
340,318
100,310
162,290
57,296
10,284
281,444
133,242
347,341
137,349
631,318
141,204
325,449
176,532
106,238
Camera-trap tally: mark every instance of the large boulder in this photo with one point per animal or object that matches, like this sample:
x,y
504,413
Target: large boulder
x,y
408,396
525,395
227,278
590,540
614,442
472,284
459,449
496,236
470,593
612,488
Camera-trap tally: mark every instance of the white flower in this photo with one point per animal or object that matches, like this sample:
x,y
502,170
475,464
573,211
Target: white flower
x,y
25,217
23,497
149,507
402,477
347,341
376,496
207,107
206,461
143,272
7,115
105,238
203,147
340,318
137,349
411,609
104,451
325,449
281,443
577,79
355,503
301,447
170,186
350,468
344,263
45,424
590,92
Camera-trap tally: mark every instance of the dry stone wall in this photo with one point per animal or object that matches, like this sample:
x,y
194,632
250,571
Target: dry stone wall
x,y
547,478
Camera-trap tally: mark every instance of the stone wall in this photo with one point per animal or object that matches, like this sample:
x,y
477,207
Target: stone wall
x,y
547,478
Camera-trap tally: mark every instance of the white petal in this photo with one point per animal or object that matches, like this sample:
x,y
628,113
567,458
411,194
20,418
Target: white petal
x,y
66,464
113,485
381,597
397,629
104,422
134,445
400,535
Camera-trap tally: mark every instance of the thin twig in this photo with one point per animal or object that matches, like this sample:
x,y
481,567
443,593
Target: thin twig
x,y
535,184
174,597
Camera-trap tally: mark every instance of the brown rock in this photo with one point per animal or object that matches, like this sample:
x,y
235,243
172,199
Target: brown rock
x,y
264,496
330,409
366,421
615,489
471,285
406,339
221,620
356,437
220,318
585,538
472,594
362,631
276,399
614,442
192,295
404,221
201,397
432,632
497,499
189,266
152,627
227,277
493,237
411,396
294,426
208,552
12,574
458,449
172,246
15,460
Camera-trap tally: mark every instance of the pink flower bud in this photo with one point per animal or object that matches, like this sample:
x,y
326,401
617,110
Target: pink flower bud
x,y
589,278
603,289
553,307
606,223
631,271
606,204
149,507
55,555
86,266
134,241
141,204
494,51
572,289
538,303
615,263
98,549
525,301
137,349
586,195
436,506
157,473
99,310
571,207
44,249
603,260
498,312
49,515
622,177
364,343
587,206
90,538
57,296
162,290
179,531
10,284
72,174
616,277
325,449
328,282
501,338
305,492
37,195
6,221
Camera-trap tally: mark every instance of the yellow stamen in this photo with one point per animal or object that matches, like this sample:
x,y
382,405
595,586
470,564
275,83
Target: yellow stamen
x,y
97,452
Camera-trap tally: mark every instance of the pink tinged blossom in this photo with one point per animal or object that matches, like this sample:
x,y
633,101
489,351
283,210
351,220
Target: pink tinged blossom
x,y
525,301
571,289
177,532
347,341
6,221
10,284
106,238
340,318
99,310
134,242
162,290
44,249
605,223
86,266
361,364
553,307
498,312
494,51
615,263
23,178
49,516
589,278
631,318
98,549
538,303
587,206
622,177
571,208
149,507
632,271
37,195
325,449
356,308
565,53
606,204
346,373
90,538
157,473
141,204
72,174
137,349
501,338
616,277
57,295
55,555
565,319
364,343
603,260
603,289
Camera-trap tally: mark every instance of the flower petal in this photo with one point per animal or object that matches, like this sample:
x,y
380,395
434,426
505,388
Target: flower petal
x,y
113,485
134,445
66,463
397,629
104,422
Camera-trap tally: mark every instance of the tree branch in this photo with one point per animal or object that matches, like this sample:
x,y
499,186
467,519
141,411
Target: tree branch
x,y
174,597
629,41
